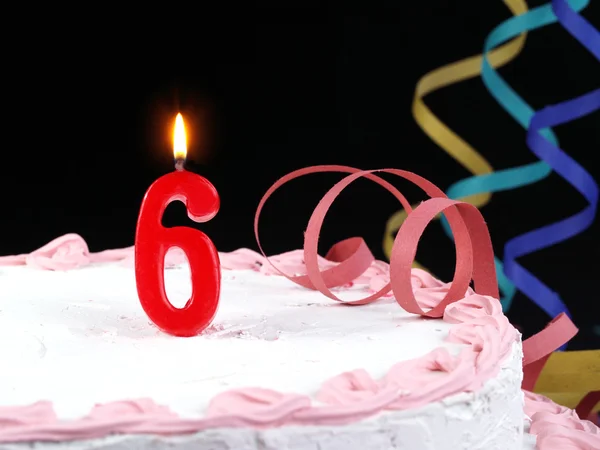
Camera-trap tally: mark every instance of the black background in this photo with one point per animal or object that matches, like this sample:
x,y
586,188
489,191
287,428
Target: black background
x,y
90,102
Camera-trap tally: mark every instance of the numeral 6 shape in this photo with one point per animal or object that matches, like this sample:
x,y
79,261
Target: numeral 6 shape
x,y
152,241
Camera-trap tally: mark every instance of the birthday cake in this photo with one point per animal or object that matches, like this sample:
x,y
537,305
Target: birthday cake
x,y
281,367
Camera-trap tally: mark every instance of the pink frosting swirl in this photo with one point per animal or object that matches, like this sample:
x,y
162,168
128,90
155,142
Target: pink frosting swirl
x,y
71,252
39,413
429,291
257,406
129,409
479,323
65,253
557,427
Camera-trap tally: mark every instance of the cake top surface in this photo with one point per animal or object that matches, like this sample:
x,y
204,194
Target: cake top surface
x,y
80,337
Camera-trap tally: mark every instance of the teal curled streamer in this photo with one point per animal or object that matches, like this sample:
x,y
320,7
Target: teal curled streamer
x,y
513,178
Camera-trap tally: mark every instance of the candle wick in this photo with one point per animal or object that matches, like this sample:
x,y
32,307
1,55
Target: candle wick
x,y
179,162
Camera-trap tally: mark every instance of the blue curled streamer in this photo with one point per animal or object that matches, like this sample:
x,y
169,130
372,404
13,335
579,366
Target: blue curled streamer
x,y
563,165
515,177
576,176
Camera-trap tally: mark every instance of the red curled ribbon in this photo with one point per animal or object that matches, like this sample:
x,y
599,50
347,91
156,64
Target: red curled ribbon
x,y
473,244
474,259
353,255
538,348
587,403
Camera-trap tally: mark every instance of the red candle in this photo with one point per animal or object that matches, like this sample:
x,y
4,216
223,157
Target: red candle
x,y
152,241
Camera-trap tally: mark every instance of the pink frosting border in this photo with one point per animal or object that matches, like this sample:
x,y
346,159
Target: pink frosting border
x,y
557,427
349,397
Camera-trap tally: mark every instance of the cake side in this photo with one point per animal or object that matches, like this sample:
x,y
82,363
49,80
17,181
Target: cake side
x,y
466,421
261,316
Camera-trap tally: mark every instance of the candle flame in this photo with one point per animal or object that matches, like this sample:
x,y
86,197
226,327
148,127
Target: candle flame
x,y
179,138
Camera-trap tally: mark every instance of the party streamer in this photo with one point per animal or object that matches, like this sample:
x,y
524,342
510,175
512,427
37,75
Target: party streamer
x,y
572,172
454,145
449,141
522,112
565,166
523,175
587,35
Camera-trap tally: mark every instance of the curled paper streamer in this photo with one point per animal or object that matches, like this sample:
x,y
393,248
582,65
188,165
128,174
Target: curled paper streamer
x,y
518,176
569,378
588,36
575,385
439,132
453,144
573,173
519,110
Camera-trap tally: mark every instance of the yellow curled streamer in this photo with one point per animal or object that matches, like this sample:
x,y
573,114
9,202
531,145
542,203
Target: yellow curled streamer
x,y
447,139
568,376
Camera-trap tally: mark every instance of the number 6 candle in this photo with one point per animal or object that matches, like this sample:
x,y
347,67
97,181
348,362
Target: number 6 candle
x,y
152,241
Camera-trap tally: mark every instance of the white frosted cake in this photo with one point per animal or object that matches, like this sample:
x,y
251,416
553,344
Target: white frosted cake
x,y
281,367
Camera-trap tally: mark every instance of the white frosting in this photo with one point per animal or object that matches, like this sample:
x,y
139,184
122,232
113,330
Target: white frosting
x,y
80,337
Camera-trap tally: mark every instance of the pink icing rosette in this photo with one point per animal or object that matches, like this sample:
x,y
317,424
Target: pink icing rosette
x,y
407,385
257,406
70,252
65,253
557,427
479,322
142,408
429,291
40,413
